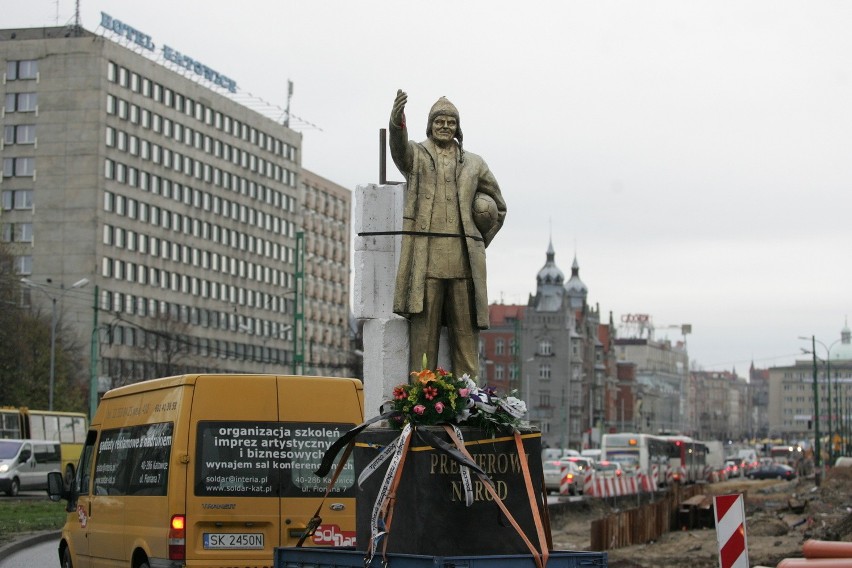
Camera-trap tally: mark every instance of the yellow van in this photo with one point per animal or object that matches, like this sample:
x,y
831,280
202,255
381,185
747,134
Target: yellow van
x,y
209,471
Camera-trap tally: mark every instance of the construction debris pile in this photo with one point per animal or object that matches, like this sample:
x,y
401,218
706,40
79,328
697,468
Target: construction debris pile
x,y
780,517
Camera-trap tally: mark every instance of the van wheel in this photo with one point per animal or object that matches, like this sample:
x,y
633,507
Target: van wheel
x,y
13,488
66,559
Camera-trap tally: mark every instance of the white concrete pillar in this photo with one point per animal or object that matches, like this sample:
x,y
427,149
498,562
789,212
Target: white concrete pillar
x,y
378,209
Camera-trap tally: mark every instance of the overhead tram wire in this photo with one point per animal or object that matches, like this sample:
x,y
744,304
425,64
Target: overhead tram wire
x,y
185,339
727,364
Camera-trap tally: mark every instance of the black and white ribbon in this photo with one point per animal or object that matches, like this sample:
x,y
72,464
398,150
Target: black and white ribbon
x,y
467,482
377,532
377,462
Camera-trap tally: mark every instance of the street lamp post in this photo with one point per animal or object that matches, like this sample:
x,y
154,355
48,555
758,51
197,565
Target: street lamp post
x,y
838,423
53,300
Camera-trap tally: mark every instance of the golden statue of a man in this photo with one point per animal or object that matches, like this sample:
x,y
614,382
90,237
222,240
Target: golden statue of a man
x,y
442,279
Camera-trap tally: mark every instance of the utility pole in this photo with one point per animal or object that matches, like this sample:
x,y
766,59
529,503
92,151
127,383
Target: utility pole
x,y
817,450
299,307
93,362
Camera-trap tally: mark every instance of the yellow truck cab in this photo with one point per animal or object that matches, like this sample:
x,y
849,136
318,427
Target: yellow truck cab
x,y
209,471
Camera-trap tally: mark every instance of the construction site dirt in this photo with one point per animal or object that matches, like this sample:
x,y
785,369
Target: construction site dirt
x,y
780,516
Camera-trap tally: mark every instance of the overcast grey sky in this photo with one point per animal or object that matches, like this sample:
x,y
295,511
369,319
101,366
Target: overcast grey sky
x,y
695,156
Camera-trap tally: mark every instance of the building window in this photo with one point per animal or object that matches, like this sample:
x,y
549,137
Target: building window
x,y
24,264
21,102
19,134
18,167
17,232
22,69
544,372
17,199
545,347
499,346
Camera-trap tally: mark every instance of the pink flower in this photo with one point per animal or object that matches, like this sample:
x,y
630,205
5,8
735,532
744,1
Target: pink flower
x,y
464,393
439,407
419,409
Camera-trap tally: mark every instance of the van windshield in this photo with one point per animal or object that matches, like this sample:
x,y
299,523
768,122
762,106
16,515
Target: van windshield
x,y
264,459
8,449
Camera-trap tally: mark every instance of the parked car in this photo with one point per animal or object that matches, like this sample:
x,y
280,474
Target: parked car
x,y
843,462
583,464
552,474
733,469
607,468
574,476
24,464
557,470
773,471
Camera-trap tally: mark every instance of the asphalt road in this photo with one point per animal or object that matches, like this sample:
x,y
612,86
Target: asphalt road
x,y
32,552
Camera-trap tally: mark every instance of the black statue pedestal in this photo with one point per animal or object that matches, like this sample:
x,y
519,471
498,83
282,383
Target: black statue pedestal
x,y
430,515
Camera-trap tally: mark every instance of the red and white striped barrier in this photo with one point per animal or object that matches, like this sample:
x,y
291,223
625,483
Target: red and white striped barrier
x,y
730,531
595,486
645,483
655,475
564,484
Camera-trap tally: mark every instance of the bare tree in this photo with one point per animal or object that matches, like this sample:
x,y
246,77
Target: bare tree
x,y
25,350
160,347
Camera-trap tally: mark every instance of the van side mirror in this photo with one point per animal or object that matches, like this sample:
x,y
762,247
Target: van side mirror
x,y
25,456
56,487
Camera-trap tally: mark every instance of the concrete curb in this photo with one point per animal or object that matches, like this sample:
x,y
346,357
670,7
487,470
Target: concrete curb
x,y
27,540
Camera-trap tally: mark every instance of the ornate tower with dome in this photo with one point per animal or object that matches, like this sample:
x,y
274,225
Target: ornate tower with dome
x,y
843,350
563,359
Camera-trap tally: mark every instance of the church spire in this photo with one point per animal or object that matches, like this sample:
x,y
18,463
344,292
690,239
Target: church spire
x,y
549,283
577,291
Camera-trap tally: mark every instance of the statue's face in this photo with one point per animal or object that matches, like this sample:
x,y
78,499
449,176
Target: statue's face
x,y
444,129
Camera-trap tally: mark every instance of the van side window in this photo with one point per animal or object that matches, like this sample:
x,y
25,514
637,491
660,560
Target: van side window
x,y
26,453
134,460
81,480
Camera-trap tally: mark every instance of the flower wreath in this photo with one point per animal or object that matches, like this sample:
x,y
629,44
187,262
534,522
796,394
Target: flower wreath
x,y
437,397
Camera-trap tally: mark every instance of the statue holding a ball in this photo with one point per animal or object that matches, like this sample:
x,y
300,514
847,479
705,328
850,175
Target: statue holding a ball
x,y
453,208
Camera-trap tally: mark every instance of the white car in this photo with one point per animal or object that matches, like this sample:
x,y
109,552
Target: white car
x,y
607,469
583,464
557,470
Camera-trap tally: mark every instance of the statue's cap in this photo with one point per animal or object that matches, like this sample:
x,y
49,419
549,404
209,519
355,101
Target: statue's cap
x,y
443,107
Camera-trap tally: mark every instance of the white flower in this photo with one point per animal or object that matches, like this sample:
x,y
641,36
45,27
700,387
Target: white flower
x,y
469,383
514,407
